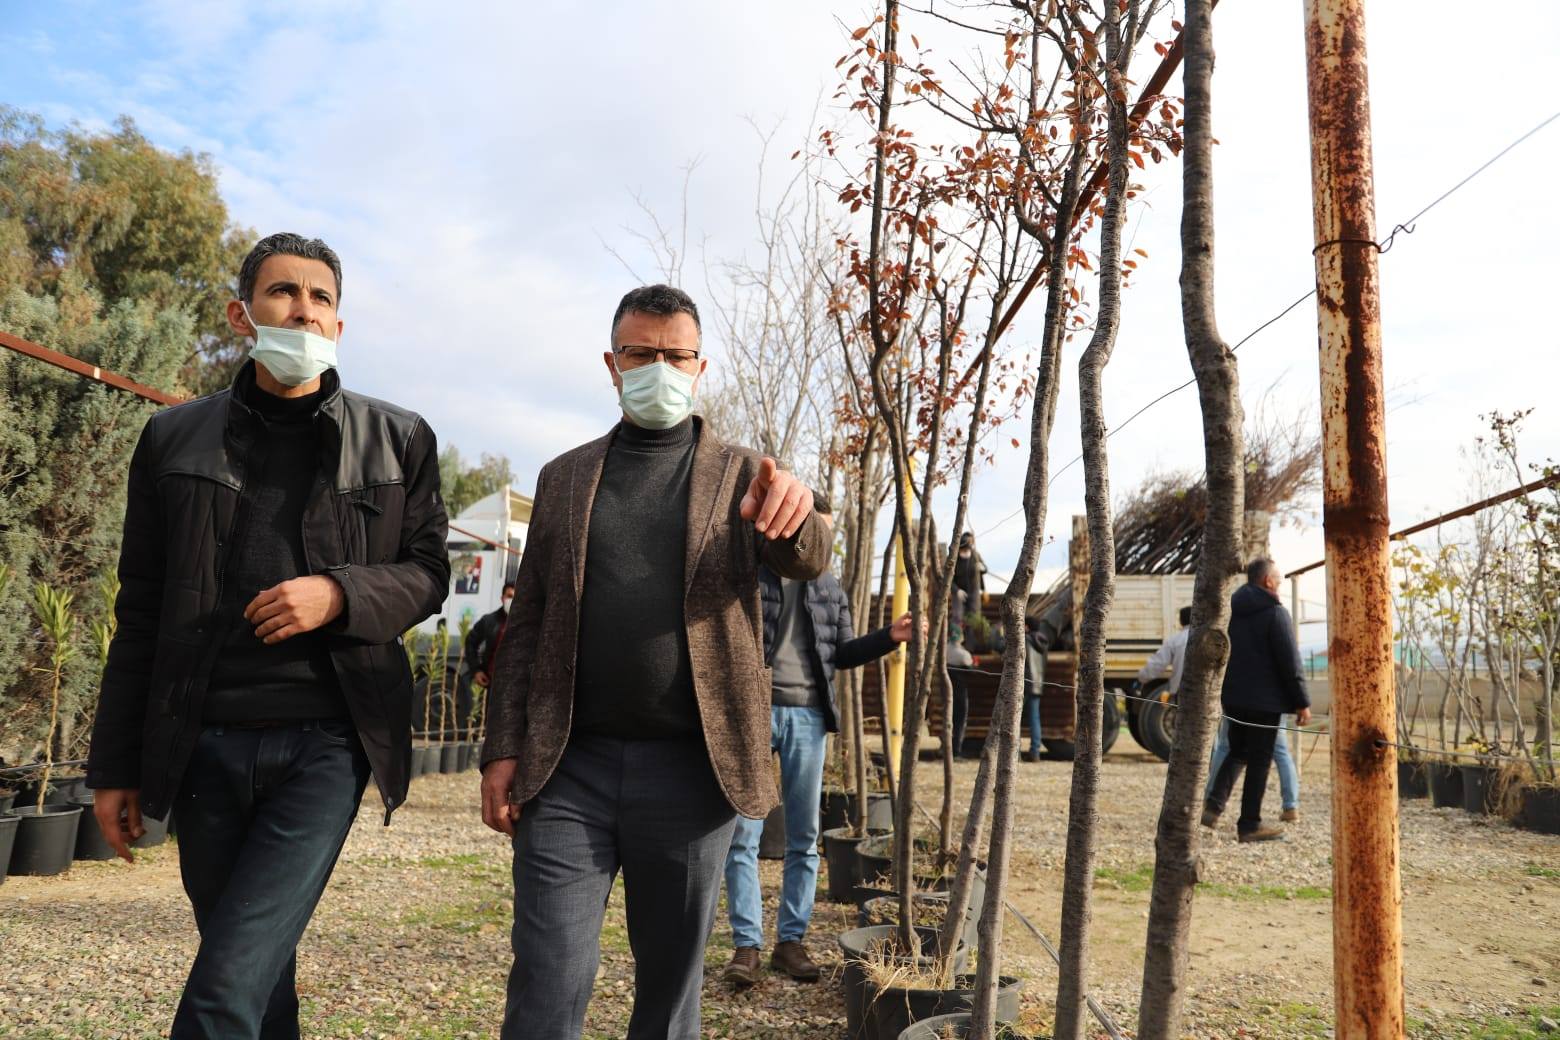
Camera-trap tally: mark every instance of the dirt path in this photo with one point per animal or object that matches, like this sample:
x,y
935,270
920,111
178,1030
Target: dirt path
x,y
411,940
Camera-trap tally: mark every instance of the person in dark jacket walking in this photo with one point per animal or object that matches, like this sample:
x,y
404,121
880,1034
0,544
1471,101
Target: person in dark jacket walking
x,y
1263,681
279,537
482,641
808,636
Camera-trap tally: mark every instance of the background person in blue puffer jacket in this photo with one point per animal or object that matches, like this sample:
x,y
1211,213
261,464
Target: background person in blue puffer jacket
x,y
808,635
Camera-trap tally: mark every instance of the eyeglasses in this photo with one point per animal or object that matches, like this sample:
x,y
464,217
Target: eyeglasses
x,y
636,357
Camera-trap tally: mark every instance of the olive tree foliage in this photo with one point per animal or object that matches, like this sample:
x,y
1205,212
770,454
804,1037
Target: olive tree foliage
x,y
130,221
120,254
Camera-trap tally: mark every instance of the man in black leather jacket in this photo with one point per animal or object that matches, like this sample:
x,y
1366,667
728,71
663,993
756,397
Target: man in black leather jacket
x,y
279,538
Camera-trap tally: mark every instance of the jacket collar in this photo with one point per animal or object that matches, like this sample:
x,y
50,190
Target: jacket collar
x,y
242,418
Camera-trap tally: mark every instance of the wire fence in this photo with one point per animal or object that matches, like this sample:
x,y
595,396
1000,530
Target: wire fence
x,y
1406,227
1484,757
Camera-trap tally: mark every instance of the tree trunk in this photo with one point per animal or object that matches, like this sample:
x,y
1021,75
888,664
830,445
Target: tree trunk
x,y
1010,692
1083,809
1207,652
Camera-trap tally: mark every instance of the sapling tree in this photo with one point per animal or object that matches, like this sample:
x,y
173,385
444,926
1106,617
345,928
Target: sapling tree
x,y
58,624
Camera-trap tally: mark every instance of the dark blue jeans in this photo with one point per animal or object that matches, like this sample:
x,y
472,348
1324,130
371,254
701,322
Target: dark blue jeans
x,y
650,808
262,815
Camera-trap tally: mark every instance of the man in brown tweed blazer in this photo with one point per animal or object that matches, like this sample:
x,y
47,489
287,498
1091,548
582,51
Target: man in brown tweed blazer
x,y
630,708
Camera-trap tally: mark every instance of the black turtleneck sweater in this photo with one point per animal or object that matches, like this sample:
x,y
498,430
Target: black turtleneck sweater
x,y
293,679
633,677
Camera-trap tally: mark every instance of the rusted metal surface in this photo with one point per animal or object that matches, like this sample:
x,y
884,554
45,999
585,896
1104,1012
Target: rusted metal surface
x,y
82,368
1367,894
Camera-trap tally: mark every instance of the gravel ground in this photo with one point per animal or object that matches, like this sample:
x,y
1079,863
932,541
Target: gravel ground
x,y
411,938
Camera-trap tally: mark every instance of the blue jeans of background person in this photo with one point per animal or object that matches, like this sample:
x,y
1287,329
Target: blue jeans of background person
x,y
262,815
797,735
1288,775
1032,719
654,810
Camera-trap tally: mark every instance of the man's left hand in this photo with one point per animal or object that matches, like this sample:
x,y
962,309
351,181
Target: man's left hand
x,y
900,630
776,502
1303,716
295,607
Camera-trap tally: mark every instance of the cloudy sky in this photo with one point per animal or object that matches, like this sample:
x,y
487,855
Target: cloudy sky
x,y
469,160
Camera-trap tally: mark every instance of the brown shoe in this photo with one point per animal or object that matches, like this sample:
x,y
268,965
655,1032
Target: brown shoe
x,y
744,969
1290,816
1210,817
1263,833
791,958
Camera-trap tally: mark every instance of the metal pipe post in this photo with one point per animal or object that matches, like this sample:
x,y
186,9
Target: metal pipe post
x,y
1367,894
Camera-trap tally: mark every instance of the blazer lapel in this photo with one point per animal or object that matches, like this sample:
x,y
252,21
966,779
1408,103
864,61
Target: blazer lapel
x,y
711,466
585,477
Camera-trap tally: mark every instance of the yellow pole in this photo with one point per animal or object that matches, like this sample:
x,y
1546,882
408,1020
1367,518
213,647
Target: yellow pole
x,y
894,703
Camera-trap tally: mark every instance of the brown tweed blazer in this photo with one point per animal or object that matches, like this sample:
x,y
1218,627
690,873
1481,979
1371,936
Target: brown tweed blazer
x,y
531,702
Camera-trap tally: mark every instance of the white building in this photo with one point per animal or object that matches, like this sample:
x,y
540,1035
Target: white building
x,y
485,544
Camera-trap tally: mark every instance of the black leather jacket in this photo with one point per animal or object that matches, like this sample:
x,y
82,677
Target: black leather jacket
x,y
375,522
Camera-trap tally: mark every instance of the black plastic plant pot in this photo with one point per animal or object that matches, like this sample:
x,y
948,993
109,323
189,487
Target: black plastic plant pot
x,y
1541,809
884,909
156,831
833,809
1476,784
839,853
90,843
1412,780
771,841
425,760
858,944
878,906
46,842
63,790
1446,788
892,1011
7,799
877,862
880,812
449,758
8,825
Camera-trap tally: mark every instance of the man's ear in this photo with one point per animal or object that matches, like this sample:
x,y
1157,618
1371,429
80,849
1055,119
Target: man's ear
x,y
617,379
238,321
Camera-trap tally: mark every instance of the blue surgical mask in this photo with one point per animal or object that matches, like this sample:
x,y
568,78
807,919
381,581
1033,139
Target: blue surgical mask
x,y
293,356
656,396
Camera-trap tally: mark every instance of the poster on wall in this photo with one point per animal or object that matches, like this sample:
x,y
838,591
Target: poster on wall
x,y
467,569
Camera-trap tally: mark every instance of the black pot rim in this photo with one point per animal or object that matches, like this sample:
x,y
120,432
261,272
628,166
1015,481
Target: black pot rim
x,y
53,809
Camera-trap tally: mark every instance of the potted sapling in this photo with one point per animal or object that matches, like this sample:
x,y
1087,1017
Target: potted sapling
x,y
46,836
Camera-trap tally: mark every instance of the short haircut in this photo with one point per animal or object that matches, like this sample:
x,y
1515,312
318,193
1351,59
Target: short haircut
x,y
660,300
285,243
1186,616
1258,570
509,586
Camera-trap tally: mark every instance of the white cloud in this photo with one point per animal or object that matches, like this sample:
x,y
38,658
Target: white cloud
x,y
464,159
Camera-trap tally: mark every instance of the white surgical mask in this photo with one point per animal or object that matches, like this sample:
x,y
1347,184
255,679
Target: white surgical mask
x,y
293,356
656,396
506,601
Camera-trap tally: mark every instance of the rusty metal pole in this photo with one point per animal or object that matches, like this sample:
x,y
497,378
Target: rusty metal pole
x,y
1367,895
